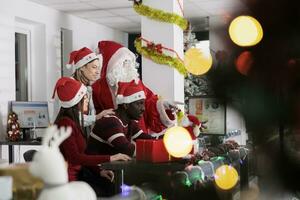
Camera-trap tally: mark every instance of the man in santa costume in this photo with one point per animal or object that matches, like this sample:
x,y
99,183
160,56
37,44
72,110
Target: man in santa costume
x,y
115,133
119,65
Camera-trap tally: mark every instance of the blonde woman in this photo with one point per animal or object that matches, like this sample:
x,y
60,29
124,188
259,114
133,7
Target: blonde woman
x,y
87,70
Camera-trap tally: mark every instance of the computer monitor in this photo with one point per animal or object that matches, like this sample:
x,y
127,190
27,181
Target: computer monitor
x,y
31,114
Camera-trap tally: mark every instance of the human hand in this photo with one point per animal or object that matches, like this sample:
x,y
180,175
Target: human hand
x,y
104,113
107,174
202,126
119,156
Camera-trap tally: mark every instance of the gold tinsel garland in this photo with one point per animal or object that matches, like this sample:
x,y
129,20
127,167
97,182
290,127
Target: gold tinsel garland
x,y
160,58
160,15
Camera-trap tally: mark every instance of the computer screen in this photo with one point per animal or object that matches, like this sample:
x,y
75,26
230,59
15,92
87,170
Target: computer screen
x,y
31,114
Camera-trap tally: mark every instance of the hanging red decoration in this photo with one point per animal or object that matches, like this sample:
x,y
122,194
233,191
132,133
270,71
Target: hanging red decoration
x,y
244,62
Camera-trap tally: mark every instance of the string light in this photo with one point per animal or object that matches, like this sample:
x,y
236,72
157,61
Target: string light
x,y
226,177
244,62
197,61
245,31
178,141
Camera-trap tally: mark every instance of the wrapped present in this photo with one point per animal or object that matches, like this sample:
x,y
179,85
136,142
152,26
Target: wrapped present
x,y
152,151
25,186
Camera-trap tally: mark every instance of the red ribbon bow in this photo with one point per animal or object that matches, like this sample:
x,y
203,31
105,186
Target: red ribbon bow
x,y
156,47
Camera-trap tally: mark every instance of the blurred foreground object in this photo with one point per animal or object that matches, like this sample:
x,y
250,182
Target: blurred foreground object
x,y
49,165
25,186
245,31
178,141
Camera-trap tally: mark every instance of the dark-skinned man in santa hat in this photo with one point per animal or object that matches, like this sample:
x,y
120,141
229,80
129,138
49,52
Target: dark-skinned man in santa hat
x,y
115,133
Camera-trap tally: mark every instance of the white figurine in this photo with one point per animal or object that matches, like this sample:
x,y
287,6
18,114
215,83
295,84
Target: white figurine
x,y
49,165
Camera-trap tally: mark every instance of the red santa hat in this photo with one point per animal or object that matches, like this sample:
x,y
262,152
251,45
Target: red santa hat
x,y
69,91
114,55
129,92
81,57
192,124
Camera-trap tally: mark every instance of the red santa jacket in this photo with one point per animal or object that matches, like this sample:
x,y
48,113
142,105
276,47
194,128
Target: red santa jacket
x,y
115,58
73,150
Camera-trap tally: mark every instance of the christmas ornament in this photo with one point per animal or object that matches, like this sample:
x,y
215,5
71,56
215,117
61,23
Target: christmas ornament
x,y
13,127
244,62
226,177
160,15
245,31
154,52
197,61
178,141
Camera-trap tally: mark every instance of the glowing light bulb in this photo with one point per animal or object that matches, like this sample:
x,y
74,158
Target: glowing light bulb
x,y
244,62
178,141
245,31
226,177
197,61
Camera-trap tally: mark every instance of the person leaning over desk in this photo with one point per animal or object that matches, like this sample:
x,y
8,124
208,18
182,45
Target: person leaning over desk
x,y
73,100
87,67
114,133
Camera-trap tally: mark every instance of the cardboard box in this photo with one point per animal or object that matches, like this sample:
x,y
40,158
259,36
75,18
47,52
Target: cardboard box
x,y
152,151
25,186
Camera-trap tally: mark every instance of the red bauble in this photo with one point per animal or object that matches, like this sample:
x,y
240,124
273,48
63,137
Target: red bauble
x,y
244,62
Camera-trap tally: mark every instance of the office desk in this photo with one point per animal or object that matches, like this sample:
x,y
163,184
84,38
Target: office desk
x,y
139,167
155,172
18,143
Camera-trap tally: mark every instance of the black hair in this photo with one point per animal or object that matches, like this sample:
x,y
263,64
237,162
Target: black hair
x,y
73,114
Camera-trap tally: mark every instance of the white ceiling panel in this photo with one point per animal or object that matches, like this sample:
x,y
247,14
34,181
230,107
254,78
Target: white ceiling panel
x,y
191,10
51,2
123,11
105,20
111,3
135,18
92,14
123,25
120,15
72,7
217,4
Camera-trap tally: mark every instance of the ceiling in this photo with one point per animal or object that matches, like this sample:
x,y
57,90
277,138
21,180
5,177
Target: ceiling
x,y
119,14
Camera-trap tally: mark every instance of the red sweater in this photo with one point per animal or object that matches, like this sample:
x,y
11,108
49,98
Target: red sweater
x,y
111,136
73,150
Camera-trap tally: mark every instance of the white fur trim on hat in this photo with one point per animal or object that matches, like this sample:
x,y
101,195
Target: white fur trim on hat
x,y
81,92
196,130
122,53
185,122
164,118
132,98
86,59
119,57
69,66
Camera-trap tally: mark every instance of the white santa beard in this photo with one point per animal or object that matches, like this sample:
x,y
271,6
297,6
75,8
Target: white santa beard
x,y
121,73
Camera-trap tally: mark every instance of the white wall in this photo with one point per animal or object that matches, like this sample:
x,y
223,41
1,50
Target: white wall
x,y
45,24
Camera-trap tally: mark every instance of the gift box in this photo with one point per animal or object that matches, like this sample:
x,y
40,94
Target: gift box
x,y
152,151
25,186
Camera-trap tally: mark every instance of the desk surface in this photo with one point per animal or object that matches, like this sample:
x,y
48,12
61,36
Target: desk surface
x,y
137,165
29,142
